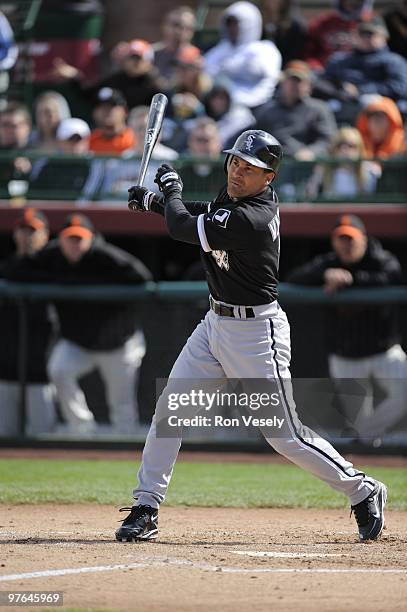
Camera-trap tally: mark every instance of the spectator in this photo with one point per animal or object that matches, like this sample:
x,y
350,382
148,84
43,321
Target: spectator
x,y
112,136
381,126
371,68
363,340
396,22
72,136
286,28
302,124
136,77
118,174
138,122
103,335
231,118
15,130
15,127
50,109
351,176
204,140
78,179
31,234
190,77
204,148
252,66
332,31
8,52
177,31
185,100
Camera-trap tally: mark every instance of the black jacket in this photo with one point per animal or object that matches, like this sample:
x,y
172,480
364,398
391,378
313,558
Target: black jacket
x,y
357,330
39,334
99,326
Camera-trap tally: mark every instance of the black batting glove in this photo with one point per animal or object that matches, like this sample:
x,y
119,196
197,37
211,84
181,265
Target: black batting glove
x,y
168,180
141,199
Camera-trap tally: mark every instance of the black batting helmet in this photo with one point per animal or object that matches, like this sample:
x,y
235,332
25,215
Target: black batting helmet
x,y
257,148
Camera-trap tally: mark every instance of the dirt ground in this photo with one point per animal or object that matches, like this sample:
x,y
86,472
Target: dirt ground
x,y
205,559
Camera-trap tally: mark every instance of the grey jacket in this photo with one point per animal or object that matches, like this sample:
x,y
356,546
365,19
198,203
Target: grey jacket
x,y
309,123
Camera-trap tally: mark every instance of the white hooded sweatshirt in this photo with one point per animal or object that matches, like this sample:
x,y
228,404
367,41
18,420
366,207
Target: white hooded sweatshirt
x,y
251,66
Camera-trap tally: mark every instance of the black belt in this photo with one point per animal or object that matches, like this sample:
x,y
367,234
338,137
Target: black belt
x,y
228,311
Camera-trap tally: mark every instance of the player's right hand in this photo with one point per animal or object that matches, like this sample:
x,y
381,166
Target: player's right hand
x,y
140,198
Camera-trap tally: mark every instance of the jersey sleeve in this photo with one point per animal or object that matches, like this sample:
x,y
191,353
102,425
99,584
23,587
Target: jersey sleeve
x,y
223,229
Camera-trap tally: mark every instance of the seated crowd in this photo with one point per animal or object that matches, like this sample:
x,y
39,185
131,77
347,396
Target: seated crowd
x,y
335,87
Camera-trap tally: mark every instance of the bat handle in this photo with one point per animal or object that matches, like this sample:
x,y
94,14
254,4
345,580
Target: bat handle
x,y
142,176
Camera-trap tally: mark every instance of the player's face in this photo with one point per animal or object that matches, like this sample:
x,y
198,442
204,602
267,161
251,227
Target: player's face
x,y
349,250
245,180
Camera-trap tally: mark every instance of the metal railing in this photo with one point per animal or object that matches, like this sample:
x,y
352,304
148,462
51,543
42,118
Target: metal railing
x,y
82,178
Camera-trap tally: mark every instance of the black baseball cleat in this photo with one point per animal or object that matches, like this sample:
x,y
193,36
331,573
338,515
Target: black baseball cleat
x,y
369,513
140,524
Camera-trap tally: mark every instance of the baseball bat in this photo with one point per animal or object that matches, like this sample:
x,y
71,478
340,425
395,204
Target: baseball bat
x,y
154,123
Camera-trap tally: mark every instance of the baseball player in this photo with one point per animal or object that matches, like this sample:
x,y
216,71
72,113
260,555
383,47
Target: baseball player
x,y
245,334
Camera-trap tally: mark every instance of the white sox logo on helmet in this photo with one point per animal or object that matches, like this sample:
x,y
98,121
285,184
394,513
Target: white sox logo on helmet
x,y
249,142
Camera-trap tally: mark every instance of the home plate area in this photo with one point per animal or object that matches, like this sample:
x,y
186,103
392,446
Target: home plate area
x,y
218,558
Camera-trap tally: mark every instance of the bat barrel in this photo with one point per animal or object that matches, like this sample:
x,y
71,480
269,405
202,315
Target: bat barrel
x,y
154,122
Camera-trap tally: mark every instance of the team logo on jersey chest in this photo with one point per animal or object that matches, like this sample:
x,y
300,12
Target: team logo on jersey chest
x,y
221,258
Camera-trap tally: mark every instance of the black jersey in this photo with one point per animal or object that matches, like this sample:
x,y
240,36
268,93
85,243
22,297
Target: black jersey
x,y
240,251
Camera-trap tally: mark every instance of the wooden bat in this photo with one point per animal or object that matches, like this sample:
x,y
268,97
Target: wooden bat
x,y
154,123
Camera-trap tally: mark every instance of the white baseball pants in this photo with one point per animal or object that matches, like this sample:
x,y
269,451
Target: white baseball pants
x,y
247,348
389,370
119,370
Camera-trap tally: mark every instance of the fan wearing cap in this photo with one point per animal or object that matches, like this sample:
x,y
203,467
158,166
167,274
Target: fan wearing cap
x,y
135,76
370,68
73,136
303,124
30,235
112,136
76,180
92,335
363,341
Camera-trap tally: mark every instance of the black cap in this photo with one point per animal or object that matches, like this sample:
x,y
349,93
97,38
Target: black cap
x,y
33,218
375,25
107,95
349,225
78,225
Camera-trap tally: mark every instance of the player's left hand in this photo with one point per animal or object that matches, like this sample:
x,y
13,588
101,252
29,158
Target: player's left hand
x,y
168,180
140,198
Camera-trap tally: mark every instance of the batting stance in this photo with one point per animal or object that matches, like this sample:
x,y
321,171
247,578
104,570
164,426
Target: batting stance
x,y
245,333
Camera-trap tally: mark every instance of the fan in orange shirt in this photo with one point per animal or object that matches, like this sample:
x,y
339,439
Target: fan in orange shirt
x,y
381,126
112,136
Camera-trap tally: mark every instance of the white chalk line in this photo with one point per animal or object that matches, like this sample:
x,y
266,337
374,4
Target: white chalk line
x,y
285,555
148,563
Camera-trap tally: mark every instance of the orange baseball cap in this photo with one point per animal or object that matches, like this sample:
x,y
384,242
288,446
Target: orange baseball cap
x,y
33,218
78,225
189,56
349,225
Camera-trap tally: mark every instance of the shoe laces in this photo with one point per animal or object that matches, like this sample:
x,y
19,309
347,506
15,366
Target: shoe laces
x,y
362,511
136,512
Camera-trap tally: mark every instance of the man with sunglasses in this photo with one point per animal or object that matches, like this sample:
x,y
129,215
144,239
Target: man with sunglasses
x,y
245,334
